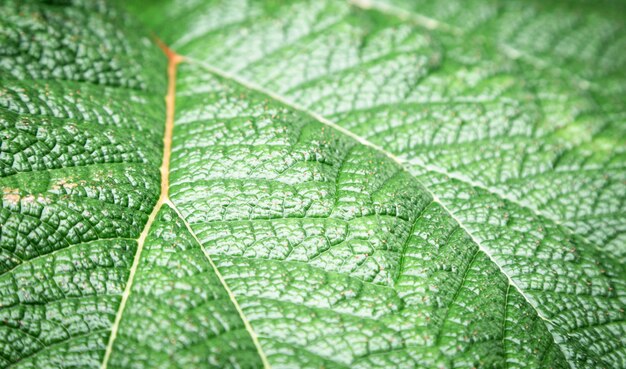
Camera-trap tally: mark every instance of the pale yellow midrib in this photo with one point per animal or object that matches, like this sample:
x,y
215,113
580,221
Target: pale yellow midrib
x,y
170,101
173,61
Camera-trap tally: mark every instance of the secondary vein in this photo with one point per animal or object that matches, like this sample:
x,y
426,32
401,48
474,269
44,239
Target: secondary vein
x,y
231,295
284,100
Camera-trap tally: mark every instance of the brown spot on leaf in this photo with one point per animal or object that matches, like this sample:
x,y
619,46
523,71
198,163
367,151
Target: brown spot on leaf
x,y
11,195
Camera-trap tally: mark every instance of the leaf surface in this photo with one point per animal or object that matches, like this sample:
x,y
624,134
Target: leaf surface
x,y
375,184
81,118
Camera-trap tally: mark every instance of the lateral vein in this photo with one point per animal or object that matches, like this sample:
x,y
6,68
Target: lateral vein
x,y
365,142
231,295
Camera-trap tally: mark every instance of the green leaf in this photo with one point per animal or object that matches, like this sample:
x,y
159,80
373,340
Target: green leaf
x,y
372,184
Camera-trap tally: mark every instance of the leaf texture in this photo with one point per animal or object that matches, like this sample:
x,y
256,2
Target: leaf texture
x,y
178,311
371,184
81,120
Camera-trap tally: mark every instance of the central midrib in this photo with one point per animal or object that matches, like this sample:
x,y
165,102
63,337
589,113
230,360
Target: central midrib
x,y
173,60
170,101
170,97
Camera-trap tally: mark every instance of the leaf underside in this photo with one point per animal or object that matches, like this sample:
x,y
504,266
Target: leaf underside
x,y
372,184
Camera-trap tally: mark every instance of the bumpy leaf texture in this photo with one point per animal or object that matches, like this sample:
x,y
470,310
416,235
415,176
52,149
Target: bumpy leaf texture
x,y
374,184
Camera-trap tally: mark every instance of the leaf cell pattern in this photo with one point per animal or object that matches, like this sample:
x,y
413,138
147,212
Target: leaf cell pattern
x,y
351,185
